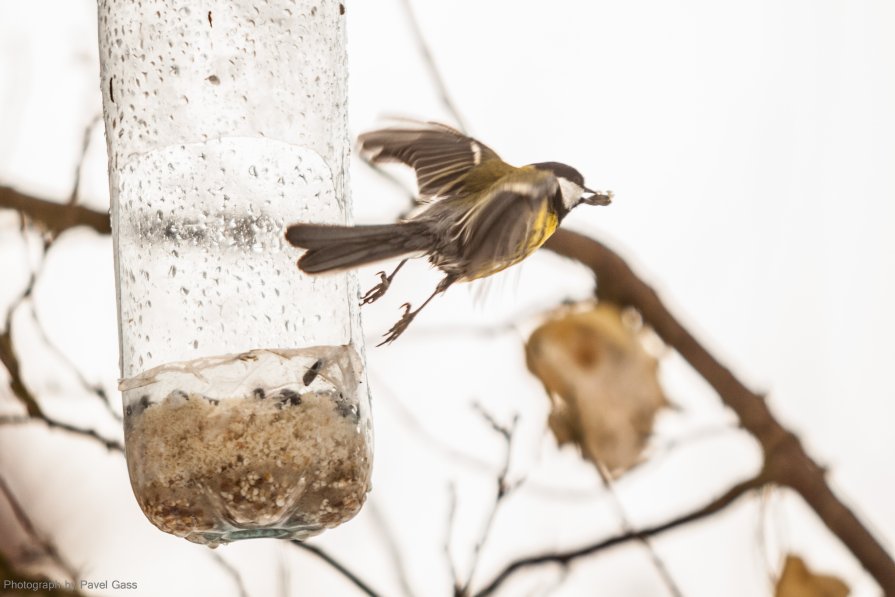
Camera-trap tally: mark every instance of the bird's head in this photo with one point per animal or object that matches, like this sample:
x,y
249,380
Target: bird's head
x,y
571,184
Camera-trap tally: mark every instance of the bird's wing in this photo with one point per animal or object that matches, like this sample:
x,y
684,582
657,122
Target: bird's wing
x,y
508,224
439,154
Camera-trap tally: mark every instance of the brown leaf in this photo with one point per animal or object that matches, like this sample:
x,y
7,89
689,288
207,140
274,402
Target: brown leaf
x,y
798,580
602,383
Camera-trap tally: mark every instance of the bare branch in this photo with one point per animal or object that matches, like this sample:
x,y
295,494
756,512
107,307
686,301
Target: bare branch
x,y
448,534
786,461
10,360
34,583
388,537
44,544
504,489
91,388
567,557
627,527
85,145
54,217
350,576
389,178
110,444
415,426
231,571
283,579
429,60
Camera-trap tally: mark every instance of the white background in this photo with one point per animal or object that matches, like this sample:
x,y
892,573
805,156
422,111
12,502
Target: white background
x,y
750,146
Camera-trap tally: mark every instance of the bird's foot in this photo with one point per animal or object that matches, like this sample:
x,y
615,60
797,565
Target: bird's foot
x,y
375,293
399,327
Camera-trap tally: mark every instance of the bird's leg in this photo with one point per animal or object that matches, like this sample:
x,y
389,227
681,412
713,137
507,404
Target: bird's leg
x,y
408,316
375,293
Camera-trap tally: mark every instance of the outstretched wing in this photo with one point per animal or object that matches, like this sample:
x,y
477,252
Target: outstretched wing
x,y
439,154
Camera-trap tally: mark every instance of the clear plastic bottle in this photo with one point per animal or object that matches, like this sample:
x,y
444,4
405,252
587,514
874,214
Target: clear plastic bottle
x,y
246,407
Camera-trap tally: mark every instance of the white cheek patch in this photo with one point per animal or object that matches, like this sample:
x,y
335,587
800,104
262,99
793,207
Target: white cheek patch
x,y
571,192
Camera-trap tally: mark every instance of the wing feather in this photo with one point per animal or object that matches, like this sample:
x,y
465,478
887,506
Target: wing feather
x,y
439,154
509,224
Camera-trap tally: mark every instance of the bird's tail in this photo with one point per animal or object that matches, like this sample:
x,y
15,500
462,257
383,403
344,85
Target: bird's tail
x,y
332,247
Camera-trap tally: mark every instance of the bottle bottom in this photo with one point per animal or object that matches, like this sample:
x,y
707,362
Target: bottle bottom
x,y
213,539
263,444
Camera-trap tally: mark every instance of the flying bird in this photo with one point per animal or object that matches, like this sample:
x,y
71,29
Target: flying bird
x,y
480,215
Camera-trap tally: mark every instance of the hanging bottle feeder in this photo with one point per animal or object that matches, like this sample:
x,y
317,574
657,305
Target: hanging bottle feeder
x,y
246,411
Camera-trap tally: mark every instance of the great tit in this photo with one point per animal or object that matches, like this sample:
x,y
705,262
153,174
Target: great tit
x,y
479,214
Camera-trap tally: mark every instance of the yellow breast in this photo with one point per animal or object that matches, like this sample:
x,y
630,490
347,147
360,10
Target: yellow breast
x,y
544,225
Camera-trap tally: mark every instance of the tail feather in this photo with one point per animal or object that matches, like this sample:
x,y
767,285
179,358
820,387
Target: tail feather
x,y
333,247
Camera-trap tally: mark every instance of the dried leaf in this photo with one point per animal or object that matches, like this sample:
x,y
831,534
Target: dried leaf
x,y
602,383
798,580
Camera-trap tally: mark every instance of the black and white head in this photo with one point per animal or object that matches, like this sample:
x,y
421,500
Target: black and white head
x,y
571,185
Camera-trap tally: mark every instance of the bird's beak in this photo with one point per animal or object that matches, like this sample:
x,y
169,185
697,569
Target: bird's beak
x,y
597,197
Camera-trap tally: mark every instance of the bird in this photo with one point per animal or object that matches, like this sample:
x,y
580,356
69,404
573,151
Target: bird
x,y
479,215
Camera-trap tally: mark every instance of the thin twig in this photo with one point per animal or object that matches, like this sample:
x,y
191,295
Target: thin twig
x,y
389,178
231,571
673,444
412,423
336,565
95,389
110,444
761,538
448,535
10,360
564,558
429,60
504,489
551,586
47,546
85,145
627,527
391,545
283,578
9,573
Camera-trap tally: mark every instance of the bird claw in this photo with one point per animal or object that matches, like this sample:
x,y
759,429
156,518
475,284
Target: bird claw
x,y
375,293
400,326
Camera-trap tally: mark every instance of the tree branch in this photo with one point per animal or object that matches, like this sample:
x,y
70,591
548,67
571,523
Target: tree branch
x,y
33,584
503,490
622,514
353,578
110,444
429,60
377,516
231,571
45,545
786,462
566,557
54,217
